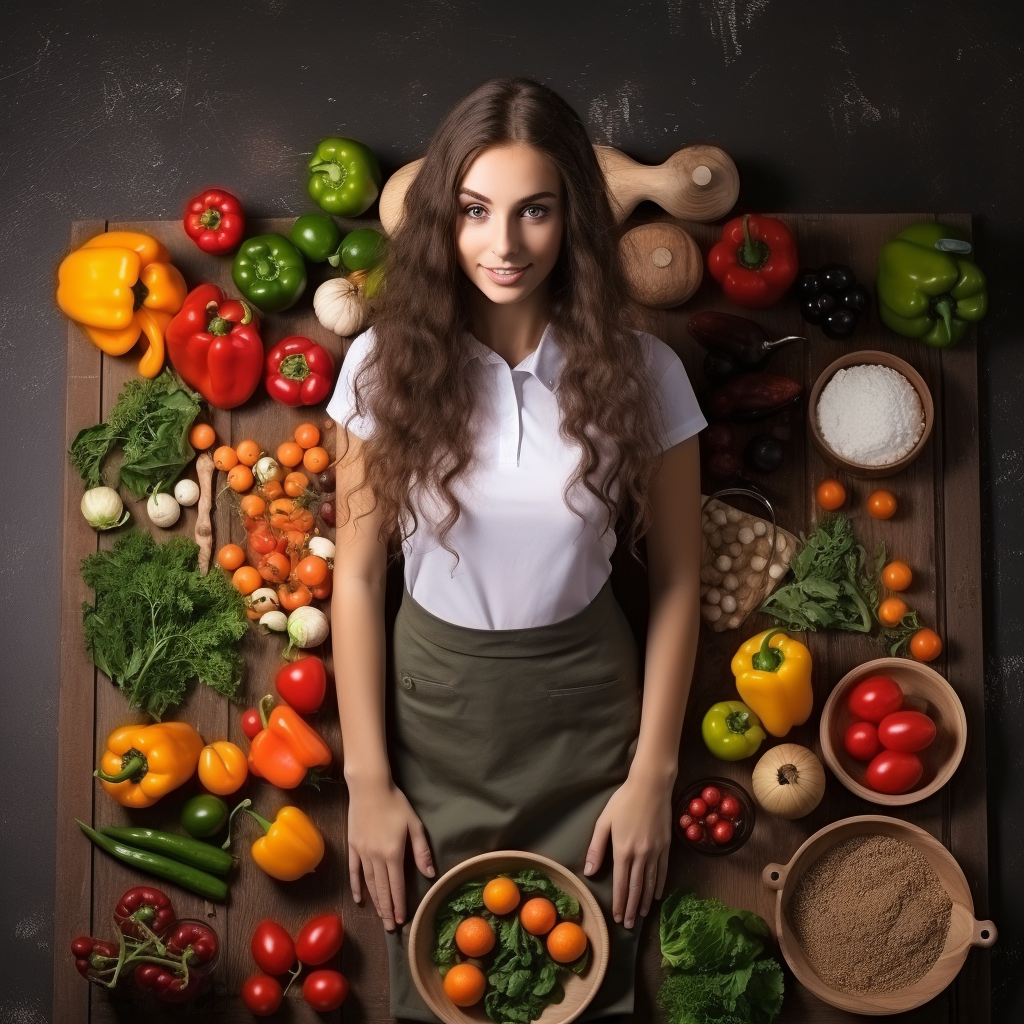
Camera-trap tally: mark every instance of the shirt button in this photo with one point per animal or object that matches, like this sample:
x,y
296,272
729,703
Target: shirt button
x,y
407,682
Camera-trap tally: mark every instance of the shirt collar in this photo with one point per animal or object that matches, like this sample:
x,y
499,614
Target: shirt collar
x,y
544,362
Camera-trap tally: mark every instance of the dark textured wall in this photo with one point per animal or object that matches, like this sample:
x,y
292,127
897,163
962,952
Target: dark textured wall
x,y
109,110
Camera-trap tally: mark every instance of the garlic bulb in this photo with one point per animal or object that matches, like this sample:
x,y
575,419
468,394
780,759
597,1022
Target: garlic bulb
x,y
323,547
340,306
266,470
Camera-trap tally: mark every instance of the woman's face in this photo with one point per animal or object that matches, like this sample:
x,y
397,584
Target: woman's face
x,y
511,215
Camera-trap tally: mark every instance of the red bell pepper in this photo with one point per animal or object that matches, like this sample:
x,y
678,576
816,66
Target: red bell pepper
x,y
299,372
215,346
215,221
755,262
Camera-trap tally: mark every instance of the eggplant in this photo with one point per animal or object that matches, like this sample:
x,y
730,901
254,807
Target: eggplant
x,y
752,396
747,343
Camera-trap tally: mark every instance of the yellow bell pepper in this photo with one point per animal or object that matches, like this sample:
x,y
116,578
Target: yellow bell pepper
x,y
773,677
119,286
292,846
142,763
223,767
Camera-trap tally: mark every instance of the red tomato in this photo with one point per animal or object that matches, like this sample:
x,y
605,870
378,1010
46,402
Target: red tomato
x,y
262,541
710,795
874,698
272,948
909,731
302,684
861,741
252,725
262,995
320,939
698,808
723,832
325,990
893,771
729,807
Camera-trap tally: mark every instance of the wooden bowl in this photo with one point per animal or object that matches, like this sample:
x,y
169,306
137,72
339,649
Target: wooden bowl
x,y
964,930
579,989
860,358
923,690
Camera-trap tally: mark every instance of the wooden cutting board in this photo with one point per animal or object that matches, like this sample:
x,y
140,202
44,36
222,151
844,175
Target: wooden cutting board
x,y
937,531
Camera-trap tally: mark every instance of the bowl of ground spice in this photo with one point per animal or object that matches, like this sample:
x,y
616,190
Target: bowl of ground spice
x,y
874,915
870,413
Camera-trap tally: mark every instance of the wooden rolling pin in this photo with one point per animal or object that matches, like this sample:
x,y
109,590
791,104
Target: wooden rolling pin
x,y
696,183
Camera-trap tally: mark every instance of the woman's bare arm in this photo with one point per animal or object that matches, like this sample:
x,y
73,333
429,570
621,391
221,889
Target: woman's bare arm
x,y
638,816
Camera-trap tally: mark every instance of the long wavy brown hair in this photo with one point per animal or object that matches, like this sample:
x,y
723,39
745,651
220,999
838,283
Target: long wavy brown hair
x,y
413,386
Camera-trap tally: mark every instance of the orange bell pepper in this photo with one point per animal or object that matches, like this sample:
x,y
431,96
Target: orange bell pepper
x,y
222,767
142,763
118,287
287,748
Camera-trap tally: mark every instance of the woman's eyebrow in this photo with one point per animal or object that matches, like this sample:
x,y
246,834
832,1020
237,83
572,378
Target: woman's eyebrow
x,y
518,202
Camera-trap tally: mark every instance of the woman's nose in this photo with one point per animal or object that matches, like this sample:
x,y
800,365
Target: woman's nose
x,y
505,243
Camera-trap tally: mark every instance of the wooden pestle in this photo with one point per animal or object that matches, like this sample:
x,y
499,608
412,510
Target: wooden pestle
x,y
696,183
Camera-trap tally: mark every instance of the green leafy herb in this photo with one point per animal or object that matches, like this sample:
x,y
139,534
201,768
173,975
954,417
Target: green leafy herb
x,y
897,638
719,971
150,422
835,582
158,624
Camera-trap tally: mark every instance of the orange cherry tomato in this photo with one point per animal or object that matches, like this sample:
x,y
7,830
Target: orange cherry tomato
x,y
881,504
831,494
272,490
294,596
891,610
246,579
262,541
240,478
248,453
224,458
295,484
253,506
323,591
926,645
316,460
307,435
202,436
275,567
897,575
230,557
312,570
289,454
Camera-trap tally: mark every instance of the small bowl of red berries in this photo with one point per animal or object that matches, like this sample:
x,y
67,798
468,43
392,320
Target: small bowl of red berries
x,y
714,816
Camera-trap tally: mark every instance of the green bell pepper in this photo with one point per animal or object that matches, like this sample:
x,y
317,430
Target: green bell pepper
x,y
317,237
270,272
928,288
344,177
731,730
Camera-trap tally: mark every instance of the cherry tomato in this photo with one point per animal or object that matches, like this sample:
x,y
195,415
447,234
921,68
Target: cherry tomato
x,y
312,570
695,832
831,494
320,938
240,478
246,580
722,832
861,741
289,454
307,435
698,808
202,436
729,807
881,504
230,557
323,591
275,567
302,685
294,596
262,995
253,506
894,771
891,610
295,484
909,731
248,453
252,724
224,458
897,575
710,795
272,948
874,698
262,541
926,645
325,990
316,459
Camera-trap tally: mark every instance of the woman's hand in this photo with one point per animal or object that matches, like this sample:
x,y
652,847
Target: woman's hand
x,y
379,819
638,819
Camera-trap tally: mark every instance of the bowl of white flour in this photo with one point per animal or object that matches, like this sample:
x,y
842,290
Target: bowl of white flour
x,y
870,413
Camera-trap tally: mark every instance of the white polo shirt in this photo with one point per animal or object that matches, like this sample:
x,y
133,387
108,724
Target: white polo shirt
x,y
525,559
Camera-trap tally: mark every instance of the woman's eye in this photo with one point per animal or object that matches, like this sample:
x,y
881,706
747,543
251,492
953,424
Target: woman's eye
x,y
474,212
535,212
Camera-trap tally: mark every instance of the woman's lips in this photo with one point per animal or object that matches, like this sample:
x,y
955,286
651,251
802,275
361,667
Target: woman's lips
x,y
505,275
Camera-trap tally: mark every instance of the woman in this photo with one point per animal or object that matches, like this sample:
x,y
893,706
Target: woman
x,y
500,421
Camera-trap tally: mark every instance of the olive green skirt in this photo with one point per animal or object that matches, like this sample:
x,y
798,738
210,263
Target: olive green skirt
x,y
514,739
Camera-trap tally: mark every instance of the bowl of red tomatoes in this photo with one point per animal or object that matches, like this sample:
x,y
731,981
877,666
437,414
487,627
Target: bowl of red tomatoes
x,y
714,816
893,731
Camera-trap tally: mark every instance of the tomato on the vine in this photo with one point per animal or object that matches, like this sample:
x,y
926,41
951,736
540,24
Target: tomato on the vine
x,y
272,948
262,995
320,938
325,990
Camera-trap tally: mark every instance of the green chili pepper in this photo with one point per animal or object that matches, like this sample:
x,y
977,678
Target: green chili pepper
x,y
270,272
189,851
731,730
317,237
928,288
344,177
188,877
